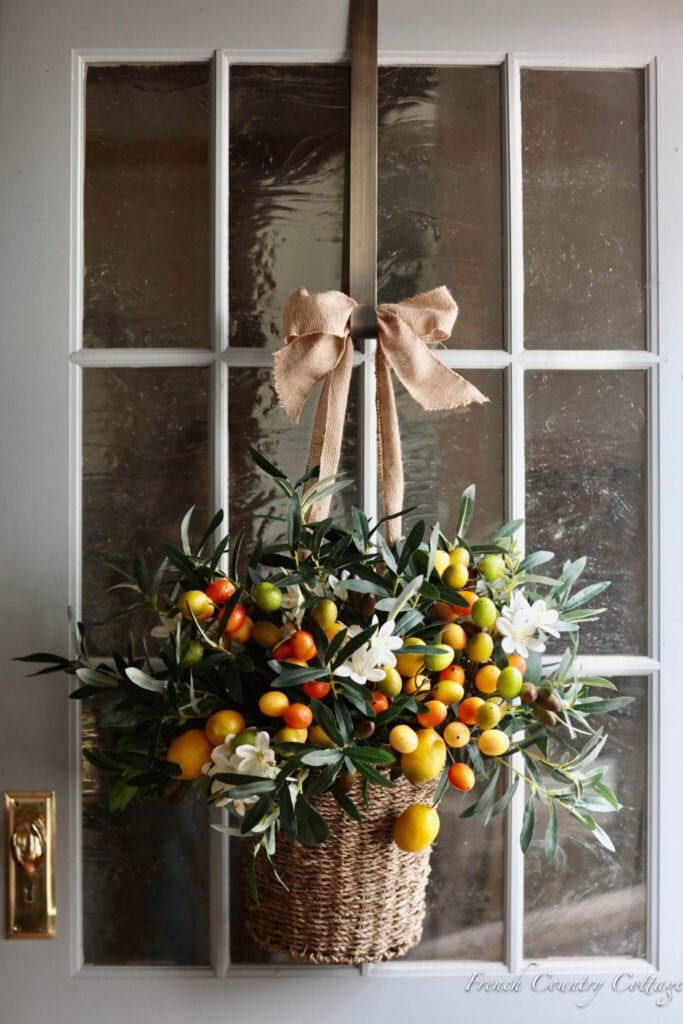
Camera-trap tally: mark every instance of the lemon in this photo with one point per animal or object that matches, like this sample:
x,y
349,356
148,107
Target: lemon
x,y
441,562
459,556
427,760
319,738
416,828
409,665
456,575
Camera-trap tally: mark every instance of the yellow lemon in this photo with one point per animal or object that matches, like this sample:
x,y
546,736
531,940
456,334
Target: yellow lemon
x,y
441,562
319,738
190,750
459,556
409,665
289,735
416,828
427,760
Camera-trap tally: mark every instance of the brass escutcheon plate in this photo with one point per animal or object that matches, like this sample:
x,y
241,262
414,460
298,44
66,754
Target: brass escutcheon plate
x,y
30,852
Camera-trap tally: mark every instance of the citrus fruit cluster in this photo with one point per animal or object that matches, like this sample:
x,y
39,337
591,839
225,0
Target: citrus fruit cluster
x,y
329,662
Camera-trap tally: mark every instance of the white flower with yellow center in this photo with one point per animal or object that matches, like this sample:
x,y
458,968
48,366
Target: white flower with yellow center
x,y
520,622
361,667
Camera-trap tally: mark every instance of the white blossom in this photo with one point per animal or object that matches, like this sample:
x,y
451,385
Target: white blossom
x,y
385,642
361,667
520,622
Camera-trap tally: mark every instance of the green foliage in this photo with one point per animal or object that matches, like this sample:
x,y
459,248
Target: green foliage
x,y
190,669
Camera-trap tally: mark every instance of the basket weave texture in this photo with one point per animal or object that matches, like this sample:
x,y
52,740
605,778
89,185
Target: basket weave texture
x,y
356,898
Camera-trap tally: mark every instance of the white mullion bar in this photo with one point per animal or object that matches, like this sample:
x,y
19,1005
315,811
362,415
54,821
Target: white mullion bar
x,y
514,414
258,357
75,496
219,843
588,359
99,358
611,665
367,430
654,837
559,359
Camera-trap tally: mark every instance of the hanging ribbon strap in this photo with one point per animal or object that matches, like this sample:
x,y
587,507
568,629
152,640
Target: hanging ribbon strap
x,y
318,346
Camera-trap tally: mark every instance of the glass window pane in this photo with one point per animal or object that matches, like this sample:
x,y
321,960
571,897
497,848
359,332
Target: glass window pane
x,y
256,418
144,463
288,151
584,209
466,891
147,206
586,481
589,901
145,871
440,199
443,452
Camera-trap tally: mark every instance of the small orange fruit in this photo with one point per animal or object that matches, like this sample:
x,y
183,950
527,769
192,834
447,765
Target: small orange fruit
x,y
461,776
222,724
379,702
298,716
236,618
467,710
452,674
403,739
302,644
190,750
493,743
454,636
517,661
243,634
480,647
486,678
196,603
434,714
456,734
220,591
273,703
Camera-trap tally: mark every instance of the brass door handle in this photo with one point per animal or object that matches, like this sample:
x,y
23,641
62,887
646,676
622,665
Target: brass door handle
x,y
28,843
30,865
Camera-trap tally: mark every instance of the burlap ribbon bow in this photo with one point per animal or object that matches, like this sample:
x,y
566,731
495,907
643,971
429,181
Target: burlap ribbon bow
x,y
318,346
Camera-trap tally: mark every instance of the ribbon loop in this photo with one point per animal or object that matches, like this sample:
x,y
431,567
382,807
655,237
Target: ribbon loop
x,y
318,346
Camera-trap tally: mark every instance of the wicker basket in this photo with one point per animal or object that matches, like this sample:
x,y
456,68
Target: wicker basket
x,y
354,899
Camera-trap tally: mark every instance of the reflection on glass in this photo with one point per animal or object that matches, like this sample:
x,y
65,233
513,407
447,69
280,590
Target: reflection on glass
x,y
145,872
584,209
147,206
288,146
589,901
440,205
255,418
443,452
145,462
586,481
465,896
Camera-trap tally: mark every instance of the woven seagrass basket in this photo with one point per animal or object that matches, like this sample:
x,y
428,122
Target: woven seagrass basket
x,y
354,899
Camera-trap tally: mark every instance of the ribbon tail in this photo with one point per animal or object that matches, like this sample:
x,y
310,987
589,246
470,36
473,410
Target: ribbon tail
x,y
328,428
388,446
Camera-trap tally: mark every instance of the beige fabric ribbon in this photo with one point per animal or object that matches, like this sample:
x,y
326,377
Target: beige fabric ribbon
x,y
318,346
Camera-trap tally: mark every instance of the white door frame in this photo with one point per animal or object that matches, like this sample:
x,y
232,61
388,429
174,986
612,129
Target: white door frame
x,y
36,335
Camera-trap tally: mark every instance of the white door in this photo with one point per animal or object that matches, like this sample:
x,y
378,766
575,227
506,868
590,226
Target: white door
x,y
170,172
